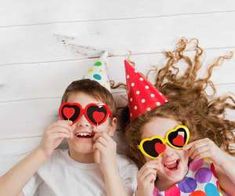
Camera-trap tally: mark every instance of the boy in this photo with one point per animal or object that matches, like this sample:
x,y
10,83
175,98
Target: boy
x,y
90,165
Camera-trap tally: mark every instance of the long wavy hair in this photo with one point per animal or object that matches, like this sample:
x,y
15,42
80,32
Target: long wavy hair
x,y
188,102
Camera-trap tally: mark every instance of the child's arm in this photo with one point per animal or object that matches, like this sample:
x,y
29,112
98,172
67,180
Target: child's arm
x,y
226,174
146,177
13,182
224,163
106,147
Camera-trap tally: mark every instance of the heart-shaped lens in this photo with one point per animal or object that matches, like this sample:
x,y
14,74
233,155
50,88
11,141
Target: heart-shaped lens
x,y
178,137
97,114
70,111
153,147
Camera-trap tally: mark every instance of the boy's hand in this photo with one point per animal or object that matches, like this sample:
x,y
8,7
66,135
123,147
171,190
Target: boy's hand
x,y
54,135
146,177
206,148
105,151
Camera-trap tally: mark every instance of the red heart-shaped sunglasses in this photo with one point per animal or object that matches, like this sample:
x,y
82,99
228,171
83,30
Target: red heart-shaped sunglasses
x,y
95,114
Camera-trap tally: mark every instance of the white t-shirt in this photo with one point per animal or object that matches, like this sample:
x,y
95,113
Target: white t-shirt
x,y
63,176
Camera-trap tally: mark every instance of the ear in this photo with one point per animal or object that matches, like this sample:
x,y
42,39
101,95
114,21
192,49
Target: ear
x,y
112,126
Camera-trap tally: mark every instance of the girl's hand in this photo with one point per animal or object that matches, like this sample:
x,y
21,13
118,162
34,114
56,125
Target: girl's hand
x,y
105,151
54,135
146,177
206,148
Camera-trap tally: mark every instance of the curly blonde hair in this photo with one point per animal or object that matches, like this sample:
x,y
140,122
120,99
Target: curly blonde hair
x,y
188,102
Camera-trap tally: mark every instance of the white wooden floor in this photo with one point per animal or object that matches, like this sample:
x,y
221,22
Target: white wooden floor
x,y
35,67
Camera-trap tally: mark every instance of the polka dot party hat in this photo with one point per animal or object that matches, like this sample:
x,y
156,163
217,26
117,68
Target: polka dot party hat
x,y
98,71
142,95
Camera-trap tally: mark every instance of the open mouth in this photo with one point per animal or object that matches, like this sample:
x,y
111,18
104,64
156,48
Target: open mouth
x,y
84,134
172,165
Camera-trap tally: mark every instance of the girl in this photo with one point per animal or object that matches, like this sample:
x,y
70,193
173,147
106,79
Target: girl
x,y
180,142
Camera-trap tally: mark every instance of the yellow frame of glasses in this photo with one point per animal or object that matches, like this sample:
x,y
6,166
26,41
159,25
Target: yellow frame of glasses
x,y
164,140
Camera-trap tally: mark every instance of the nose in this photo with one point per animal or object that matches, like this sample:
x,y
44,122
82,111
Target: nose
x,y
168,152
82,122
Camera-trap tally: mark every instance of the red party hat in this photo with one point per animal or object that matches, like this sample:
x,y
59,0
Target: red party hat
x,y
142,95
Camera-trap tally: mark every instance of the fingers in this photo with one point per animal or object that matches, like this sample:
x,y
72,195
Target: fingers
x,y
199,149
202,155
99,147
59,135
105,149
147,174
104,140
152,165
60,127
103,137
61,123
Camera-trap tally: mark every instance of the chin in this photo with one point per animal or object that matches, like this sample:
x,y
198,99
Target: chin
x,y
81,148
176,173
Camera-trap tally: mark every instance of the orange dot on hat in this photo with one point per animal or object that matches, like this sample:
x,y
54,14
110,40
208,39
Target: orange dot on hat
x,y
127,76
143,100
141,79
137,92
148,109
146,87
152,95
135,107
131,99
132,84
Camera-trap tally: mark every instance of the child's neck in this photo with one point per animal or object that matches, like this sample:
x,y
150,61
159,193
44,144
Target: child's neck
x,y
82,158
164,186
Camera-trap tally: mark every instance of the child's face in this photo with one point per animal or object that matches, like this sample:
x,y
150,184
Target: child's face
x,y
83,131
173,163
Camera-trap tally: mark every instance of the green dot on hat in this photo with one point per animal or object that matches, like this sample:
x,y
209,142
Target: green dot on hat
x,y
98,63
97,76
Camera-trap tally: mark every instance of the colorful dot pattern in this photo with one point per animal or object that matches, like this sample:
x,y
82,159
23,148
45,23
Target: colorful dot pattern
x,y
98,73
199,181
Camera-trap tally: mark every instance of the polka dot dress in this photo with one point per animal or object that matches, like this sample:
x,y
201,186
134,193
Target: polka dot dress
x,y
199,181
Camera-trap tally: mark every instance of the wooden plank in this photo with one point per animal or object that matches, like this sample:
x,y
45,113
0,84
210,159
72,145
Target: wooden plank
x,y
26,12
27,118
13,150
36,44
18,146
7,162
49,80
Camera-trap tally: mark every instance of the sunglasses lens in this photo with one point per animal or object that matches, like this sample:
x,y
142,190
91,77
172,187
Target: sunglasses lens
x,y
97,114
154,147
70,112
178,137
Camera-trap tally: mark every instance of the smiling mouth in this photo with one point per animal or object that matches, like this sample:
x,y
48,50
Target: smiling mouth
x,y
85,134
173,165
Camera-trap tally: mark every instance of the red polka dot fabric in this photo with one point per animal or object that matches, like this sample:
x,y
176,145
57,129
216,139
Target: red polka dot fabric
x,y
142,95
